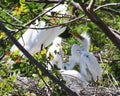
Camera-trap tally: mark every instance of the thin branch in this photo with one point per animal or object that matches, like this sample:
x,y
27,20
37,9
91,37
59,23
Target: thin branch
x,y
95,6
76,5
43,80
91,5
110,10
116,31
35,62
106,5
49,27
12,17
45,1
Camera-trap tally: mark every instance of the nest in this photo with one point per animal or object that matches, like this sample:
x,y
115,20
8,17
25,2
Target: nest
x,y
29,85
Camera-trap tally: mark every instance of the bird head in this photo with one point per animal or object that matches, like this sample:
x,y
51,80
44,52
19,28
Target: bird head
x,y
57,41
75,49
83,38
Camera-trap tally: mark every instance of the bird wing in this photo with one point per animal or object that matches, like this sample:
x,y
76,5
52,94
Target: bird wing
x,y
24,40
83,67
52,33
92,65
31,39
74,76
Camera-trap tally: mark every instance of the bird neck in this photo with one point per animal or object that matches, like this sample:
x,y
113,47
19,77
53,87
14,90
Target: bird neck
x,y
85,48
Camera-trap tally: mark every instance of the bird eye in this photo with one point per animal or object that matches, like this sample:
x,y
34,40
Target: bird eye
x,y
87,56
65,67
55,52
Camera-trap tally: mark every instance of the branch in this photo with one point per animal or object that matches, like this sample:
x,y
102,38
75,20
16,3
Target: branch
x,y
62,24
91,5
35,62
76,5
110,10
45,1
12,17
110,4
102,8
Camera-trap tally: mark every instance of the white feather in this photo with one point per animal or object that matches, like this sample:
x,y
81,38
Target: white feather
x,y
89,66
62,8
74,80
32,39
57,52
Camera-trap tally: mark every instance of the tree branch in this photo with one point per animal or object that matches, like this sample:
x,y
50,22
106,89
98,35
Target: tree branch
x,y
95,6
91,5
110,10
45,1
109,4
62,24
35,62
76,5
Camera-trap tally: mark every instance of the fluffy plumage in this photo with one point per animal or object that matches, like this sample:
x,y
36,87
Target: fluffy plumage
x,y
74,80
89,66
56,51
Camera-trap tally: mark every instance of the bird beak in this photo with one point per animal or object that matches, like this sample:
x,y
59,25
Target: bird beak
x,y
77,36
61,46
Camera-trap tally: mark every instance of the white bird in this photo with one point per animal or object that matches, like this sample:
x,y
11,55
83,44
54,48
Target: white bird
x,y
89,66
56,51
33,40
30,40
74,80
74,59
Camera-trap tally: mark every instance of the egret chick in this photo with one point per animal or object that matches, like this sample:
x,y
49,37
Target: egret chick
x,y
74,80
89,66
56,51
74,59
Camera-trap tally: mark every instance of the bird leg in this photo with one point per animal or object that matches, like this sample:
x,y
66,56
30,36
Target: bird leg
x,y
96,87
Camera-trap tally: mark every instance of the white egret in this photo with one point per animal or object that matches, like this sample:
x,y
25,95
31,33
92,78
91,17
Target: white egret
x,y
89,66
32,40
56,51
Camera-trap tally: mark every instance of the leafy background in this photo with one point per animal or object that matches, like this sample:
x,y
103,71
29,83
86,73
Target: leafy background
x,y
100,45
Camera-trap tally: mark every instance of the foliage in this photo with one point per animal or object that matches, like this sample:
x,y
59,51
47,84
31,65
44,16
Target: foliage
x,y
24,12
